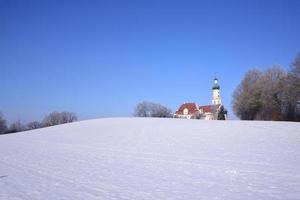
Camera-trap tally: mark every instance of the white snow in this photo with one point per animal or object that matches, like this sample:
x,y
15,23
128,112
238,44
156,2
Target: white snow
x,y
140,159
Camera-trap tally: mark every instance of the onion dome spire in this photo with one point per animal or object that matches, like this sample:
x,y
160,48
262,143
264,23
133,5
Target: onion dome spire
x,y
216,85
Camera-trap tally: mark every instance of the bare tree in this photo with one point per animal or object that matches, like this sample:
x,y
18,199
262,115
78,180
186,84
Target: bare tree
x,y
3,126
52,119
272,95
272,92
291,92
68,117
246,100
16,127
34,125
160,111
56,118
295,68
150,109
142,110
289,99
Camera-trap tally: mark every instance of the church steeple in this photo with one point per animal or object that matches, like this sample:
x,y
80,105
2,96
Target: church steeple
x,y
216,99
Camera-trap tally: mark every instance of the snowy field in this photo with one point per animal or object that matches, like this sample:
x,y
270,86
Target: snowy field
x,y
140,159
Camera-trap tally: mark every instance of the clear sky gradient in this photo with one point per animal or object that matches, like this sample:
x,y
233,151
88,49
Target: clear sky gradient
x,y
100,58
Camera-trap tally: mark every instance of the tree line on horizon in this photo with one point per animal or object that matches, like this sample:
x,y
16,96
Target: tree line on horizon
x,y
52,119
273,94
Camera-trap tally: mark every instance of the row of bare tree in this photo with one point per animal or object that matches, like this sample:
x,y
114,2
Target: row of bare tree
x,y
52,119
270,95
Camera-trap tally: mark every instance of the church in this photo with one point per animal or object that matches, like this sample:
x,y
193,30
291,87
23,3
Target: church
x,y
206,112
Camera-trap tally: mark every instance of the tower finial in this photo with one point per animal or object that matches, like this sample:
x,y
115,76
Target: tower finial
x,y
216,92
216,84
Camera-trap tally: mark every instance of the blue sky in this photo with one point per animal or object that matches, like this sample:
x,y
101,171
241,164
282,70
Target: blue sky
x,y
100,58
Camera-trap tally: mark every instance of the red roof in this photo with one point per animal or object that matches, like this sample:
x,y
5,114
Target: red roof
x,y
192,108
209,108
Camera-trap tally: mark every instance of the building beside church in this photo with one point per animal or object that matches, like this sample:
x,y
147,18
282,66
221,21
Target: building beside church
x,y
207,112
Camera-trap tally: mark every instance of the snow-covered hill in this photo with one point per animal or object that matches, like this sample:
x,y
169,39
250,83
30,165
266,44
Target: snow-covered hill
x,y
137,159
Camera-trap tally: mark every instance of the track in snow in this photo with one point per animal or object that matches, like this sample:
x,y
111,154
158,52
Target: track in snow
x,y
136,158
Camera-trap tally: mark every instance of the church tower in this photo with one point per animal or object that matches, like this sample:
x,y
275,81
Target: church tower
x,y
216,93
